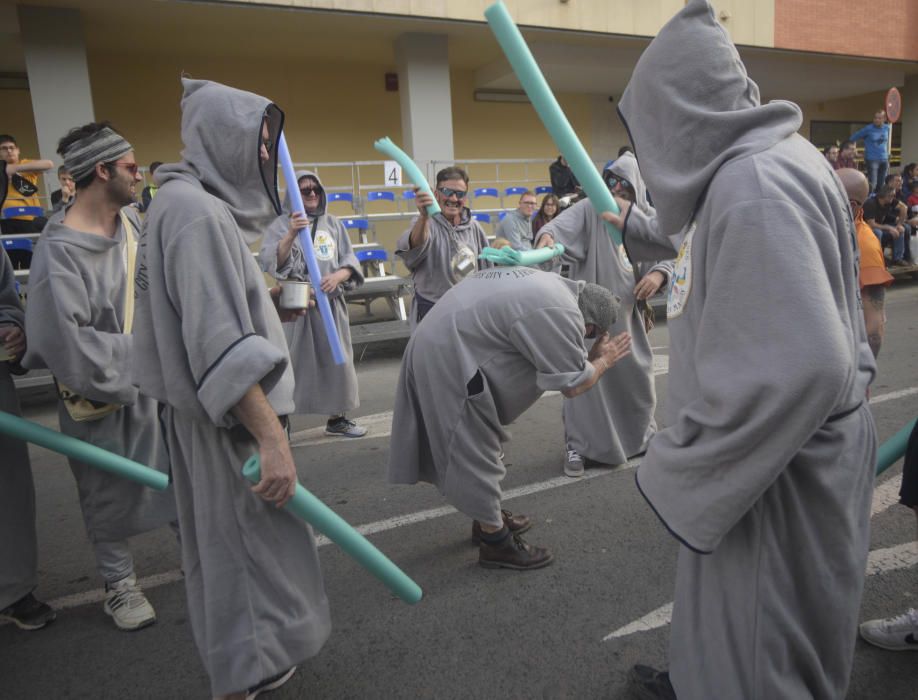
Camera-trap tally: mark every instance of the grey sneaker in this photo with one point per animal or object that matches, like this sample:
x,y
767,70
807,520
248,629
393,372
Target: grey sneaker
x,y
127,605
898,633
573,464
342,427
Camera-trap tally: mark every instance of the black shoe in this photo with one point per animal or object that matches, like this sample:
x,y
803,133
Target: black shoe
x,y
647,683
272,683
518,524
28,613
513,553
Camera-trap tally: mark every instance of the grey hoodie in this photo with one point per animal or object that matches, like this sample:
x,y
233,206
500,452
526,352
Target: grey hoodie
x,y
205,327
765,469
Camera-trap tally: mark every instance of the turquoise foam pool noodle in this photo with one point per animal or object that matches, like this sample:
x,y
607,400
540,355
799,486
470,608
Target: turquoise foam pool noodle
x,y
325,520
894,448
509,256
550,112
385,146
27,431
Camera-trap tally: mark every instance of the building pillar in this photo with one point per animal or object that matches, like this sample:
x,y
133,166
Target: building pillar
x,y
58,71
424,87
910,120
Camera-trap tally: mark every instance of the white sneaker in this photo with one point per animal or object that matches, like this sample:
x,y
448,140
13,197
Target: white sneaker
x,y
898,633
573,465
127,605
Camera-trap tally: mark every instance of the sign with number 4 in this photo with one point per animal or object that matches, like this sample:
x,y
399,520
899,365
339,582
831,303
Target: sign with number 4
x,y
393,173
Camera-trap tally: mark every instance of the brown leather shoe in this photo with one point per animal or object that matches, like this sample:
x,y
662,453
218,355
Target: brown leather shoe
x,y
513,553
518,524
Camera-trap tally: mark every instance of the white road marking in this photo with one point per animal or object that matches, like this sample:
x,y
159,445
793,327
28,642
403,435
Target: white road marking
x,y
893,395
902,556
651,621
885,495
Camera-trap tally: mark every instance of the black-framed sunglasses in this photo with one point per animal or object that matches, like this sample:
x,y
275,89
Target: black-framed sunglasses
x,y
613,180
306,191
450,192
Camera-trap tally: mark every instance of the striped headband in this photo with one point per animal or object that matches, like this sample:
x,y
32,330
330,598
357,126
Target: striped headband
x,y
104,146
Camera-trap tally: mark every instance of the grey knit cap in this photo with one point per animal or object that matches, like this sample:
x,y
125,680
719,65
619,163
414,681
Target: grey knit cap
x,y
599,306
104,146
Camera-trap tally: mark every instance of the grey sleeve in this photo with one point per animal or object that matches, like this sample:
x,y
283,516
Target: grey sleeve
x,y
267,254
226,356
93,363
10,307
570,229
414,257
347,258
552,340
642,238
772,356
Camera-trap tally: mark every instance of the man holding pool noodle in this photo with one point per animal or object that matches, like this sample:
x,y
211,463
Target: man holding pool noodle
x,y
210,346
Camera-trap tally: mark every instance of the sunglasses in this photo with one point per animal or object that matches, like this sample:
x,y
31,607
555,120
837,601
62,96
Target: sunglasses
x,y
132,168
449,192
614,180
306,191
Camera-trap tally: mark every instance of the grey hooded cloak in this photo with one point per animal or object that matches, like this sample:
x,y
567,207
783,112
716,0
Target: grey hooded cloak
x,y
614,420
206,331
483,355
449,253
75,318
19,545
766,468
321,385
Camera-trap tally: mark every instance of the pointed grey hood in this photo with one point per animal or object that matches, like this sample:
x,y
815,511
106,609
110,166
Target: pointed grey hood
x,y
221,130
323,198
690,108
626,166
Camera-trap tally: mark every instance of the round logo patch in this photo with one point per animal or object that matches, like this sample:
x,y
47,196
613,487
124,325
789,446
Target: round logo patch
x,y
324,246
681,287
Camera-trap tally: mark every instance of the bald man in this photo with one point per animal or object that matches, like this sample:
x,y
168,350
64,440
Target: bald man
x,y
873,276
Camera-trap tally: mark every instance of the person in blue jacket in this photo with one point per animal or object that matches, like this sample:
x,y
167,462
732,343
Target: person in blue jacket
x,y
876,148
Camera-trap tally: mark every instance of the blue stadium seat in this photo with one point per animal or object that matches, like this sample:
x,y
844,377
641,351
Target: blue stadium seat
x,y
10,212
372,255
515,190
340,197
358,224
500,217
544,189
408,194
482,217
377,195
486,192
19,249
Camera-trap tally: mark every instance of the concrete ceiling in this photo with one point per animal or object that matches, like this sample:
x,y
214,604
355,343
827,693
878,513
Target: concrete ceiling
x,y
592,64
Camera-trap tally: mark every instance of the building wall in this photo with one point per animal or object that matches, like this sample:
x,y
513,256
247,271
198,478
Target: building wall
x,y
880,28
17,120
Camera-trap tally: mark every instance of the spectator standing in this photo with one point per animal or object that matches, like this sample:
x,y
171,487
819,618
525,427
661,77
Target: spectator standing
x,y
547,211
321,386
22,189
563,181
876,137
441,250
516,226
149,192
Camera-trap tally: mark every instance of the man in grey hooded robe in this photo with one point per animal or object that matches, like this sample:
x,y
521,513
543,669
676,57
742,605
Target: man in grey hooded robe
x,y
321,385
615,421
210,346
483,355
78,325
765,471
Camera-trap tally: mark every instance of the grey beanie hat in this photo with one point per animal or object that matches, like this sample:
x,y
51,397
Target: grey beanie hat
x,y
599,306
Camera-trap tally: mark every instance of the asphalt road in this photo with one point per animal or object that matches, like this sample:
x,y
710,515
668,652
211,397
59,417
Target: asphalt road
x,y
571,630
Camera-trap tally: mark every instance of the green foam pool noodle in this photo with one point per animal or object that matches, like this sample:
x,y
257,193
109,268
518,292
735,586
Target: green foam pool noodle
x,y
509,256
894,448
385,145
27,431
549,111
325,520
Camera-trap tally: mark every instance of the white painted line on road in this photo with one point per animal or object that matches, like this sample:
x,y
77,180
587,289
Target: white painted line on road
x,y
651,621
893,395
902,556
884,495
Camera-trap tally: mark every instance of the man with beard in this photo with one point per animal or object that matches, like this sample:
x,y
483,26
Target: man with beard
x,y
211,348
79,319
765,470
441,250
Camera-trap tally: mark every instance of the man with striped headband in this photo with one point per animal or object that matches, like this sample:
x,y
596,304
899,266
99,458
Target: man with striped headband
x,y
79,325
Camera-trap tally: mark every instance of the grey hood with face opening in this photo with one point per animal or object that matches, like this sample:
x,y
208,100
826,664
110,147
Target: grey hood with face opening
x,y
626,166
221,130
690,108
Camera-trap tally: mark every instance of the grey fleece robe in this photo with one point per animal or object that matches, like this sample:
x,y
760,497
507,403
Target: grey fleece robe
x,y
75,319
765,471
206,331
321,385
19,545
614,420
